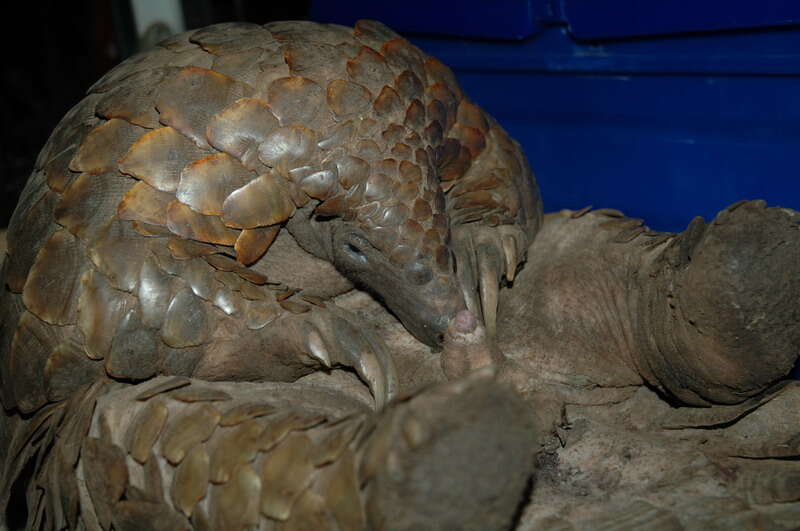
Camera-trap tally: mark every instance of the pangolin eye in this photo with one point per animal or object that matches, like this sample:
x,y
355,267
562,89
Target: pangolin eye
x,y
355,253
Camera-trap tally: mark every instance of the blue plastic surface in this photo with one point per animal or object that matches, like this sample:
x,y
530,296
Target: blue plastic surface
x,y
593,19
500,19
748,53
586,19
663,128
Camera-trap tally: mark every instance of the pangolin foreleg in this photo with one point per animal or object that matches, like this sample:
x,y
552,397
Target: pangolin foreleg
x,y
175,453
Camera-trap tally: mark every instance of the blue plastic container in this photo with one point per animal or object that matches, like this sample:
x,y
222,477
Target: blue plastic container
x,y
615,111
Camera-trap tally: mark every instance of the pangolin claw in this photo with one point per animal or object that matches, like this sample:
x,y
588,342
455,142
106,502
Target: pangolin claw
x,y
464,256
489,269
337,338
484,256
510,253
316,345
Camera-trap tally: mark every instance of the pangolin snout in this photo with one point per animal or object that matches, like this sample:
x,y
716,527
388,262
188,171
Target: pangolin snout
x,y
430,326
425,298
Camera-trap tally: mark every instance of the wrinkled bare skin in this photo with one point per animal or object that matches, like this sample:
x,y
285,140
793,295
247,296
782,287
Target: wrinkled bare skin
x,y
707,316
621,456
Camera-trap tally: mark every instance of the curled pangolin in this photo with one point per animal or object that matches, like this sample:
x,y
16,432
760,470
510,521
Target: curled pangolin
x,y
192,216
147,238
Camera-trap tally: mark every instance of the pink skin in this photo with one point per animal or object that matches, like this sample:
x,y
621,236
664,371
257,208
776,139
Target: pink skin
x,y
464,322
467,348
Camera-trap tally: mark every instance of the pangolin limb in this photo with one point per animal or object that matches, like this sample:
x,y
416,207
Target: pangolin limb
x,y
187,454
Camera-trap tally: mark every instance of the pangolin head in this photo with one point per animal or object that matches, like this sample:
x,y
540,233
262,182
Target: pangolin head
x,y
391,236
399,250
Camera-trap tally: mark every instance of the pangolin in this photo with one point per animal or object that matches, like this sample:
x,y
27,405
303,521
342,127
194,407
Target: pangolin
x,y
192,216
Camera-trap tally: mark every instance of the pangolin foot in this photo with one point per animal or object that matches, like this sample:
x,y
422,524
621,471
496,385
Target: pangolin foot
x,y
730,298
484,256
455,456
338,338
297,344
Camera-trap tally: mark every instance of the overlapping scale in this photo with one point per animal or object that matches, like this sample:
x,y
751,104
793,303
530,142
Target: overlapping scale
x,y
90,203
106,476
31,345
264,201
134,354
244,65
68,369
186,321
439,73
154,293
158,158
104,145
309,57
118,253
159,57
187,223
287,148
296,101
347,99
373,33
388,106
200,278
145,204
133,100
227,37
195,424
369,69
409,86
401,55
59,176
236,448
188,100
145,429
190,482
70,131
51,291
234,504
253,243
285,473
206,183
241,128
100,310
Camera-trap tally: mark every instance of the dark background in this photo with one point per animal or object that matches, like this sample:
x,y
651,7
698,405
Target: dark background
x,y
665,110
